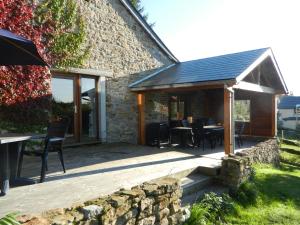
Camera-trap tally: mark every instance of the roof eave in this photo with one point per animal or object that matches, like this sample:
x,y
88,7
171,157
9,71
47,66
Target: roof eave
x,y
222,83
267,53
150,75
148,29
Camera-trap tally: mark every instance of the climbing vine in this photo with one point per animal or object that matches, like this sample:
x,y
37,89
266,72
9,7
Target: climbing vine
x,y
68,38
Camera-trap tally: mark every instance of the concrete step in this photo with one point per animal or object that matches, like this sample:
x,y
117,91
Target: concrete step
x,y
209,171
194,183
195,196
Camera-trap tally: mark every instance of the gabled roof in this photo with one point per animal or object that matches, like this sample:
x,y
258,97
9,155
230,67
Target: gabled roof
x,y
148,29
231,67
289,102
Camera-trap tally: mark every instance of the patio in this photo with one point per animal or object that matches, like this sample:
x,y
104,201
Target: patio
x,y
99,170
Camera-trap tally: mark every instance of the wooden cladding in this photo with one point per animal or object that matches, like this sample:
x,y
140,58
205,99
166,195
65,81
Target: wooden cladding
x,y
263,113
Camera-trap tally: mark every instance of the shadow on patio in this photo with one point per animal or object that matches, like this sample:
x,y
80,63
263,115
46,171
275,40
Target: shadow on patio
x,y
99,170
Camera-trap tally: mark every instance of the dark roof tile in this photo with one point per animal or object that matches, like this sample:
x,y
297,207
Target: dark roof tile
x,y
222,67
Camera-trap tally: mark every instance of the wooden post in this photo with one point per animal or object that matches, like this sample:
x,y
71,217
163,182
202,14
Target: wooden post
x,y
274,116
141,118
228,124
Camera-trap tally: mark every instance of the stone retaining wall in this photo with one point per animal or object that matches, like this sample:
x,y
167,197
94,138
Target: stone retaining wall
x,y
236,168
147,204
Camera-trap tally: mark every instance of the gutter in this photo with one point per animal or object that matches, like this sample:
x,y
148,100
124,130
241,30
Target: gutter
x,y
222,83
148,29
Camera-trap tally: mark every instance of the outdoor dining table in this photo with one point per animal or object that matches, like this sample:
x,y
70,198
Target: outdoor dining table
x,y
9,150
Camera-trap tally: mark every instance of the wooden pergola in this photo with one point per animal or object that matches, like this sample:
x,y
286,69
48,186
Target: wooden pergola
x,y
260,82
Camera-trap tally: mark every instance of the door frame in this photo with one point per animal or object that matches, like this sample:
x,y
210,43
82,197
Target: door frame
x,y
77,102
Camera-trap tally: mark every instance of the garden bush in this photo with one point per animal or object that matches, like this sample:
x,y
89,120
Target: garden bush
x,y
211,209
246,194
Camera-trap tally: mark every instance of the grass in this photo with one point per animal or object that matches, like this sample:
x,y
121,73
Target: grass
x,y
292,147
278,200
290,154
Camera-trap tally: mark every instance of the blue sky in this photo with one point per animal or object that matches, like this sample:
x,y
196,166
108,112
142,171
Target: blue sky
x,y
194,29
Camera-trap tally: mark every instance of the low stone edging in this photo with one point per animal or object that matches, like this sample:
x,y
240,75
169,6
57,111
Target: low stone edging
x,y
236,168
148,204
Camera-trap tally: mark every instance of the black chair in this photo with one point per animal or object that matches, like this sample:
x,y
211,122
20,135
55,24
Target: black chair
x,y
239,130
157,134
201,134
53,142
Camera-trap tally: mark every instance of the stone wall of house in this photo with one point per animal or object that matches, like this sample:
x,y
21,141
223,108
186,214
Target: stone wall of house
x,y
148,204
156,107
121,46
236,168
197,105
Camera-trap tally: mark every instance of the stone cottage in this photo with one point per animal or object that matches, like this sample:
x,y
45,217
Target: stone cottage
x,y
97,97
132,79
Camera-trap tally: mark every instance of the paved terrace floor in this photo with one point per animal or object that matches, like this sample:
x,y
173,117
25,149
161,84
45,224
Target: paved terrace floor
x,y
99,170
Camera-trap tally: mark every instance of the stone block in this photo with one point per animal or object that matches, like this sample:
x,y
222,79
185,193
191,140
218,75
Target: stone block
x,y
37,220
146,221
91,211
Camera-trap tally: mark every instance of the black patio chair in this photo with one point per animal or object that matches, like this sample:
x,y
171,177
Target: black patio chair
x,y
200,135
157,134
239,130
53,142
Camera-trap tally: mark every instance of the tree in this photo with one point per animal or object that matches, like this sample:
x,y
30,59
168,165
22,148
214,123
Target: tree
x,y
137,5
58,31
67,40
24,90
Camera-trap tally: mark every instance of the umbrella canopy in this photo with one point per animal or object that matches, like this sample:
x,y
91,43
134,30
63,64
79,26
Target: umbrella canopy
x,y
16,50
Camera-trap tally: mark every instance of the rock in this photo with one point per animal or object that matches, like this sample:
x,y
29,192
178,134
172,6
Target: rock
x,y
175,207
24,218
90,222
78,216
186,213
37,221
163,214
117,201
164,221
145,203
146,221
91,211
65,219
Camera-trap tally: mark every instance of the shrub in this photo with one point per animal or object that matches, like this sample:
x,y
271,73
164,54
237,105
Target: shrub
x,y
9,219
211,209
246,194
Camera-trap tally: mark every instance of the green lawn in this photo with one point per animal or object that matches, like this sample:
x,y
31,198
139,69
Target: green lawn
x,y
278,201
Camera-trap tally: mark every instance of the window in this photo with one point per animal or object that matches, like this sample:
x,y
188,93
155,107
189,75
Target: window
x,y
179,107
242,110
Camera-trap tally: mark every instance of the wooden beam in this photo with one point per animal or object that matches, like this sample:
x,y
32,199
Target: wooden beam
x,y
243,85
274,116
228,124
141,118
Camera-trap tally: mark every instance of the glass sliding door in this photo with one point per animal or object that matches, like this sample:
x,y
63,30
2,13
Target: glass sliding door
x,y
75,97
89,111
63,102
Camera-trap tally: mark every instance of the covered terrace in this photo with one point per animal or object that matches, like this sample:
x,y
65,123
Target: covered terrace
x,y
212,88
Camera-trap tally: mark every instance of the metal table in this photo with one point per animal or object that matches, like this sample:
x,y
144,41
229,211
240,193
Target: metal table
x,y
9,153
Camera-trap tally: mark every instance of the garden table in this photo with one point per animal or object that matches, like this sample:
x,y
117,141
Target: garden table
x,y
9,151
